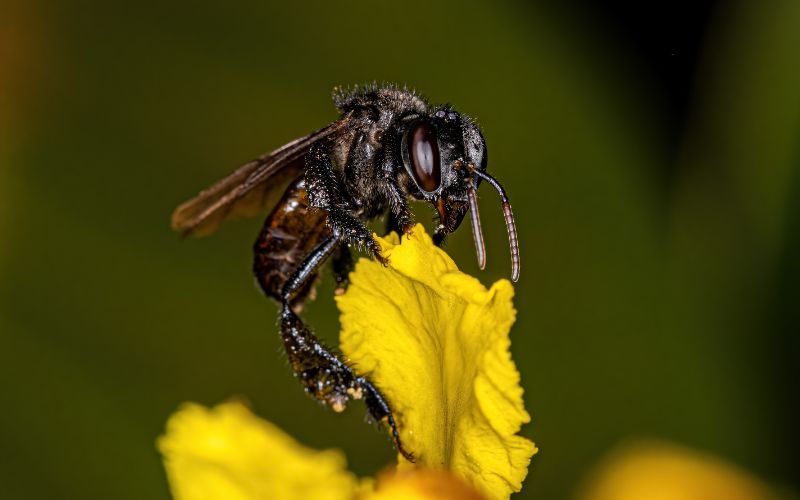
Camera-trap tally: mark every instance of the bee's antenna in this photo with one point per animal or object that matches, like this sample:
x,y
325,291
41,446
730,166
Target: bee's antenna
x,y
509,217
475,217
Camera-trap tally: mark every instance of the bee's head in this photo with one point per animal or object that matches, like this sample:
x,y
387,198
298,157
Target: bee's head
x,y
445,157
438,152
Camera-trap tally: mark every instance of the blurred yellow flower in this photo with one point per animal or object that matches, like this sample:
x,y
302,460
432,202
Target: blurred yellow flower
x,y
664,471
229,453
436,343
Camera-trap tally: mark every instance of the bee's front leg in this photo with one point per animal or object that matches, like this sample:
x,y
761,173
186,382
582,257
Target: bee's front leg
x,y
324,193
354,232
400,219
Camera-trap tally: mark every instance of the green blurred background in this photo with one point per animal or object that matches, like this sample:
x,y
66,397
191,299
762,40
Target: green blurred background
x,y
659,291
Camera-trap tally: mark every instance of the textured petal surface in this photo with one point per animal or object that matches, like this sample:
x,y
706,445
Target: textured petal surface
x,y
229,453
436,342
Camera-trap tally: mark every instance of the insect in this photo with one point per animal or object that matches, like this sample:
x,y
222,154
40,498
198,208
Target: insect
x,y
388,145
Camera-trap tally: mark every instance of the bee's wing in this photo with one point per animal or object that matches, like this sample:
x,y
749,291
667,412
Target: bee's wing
x,y
245,192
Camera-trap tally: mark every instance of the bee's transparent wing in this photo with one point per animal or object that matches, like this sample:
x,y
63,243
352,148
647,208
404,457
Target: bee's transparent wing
x,y
246,192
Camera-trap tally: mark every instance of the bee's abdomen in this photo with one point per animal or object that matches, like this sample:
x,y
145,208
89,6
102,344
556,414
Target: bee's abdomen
x,y
292,230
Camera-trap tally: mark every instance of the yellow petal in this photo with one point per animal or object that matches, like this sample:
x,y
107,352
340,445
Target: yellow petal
x,y
663,471
435,342
229,453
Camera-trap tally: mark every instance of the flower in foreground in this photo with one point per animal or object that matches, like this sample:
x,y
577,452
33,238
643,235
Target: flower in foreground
x,y
436,343
227,453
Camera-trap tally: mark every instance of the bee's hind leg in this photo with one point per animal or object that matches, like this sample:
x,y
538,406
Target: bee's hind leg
x,y
321,372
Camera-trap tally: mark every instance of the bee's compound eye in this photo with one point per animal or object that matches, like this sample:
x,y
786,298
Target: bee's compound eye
x,y
423,151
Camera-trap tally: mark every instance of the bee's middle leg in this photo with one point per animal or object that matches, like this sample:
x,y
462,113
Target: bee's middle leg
x,y
321,372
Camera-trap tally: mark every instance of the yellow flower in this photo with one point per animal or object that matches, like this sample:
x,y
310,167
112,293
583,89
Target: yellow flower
x,y
664,471
228,453
436,343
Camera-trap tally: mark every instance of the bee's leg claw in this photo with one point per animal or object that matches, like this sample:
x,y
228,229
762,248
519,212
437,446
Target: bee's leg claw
x,y
380,411
376,252
383,260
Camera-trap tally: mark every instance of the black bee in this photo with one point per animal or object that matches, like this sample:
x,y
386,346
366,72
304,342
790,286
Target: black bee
x,y
387,146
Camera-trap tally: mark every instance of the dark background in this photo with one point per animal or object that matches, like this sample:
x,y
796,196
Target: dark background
x,y
664,41
650,151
